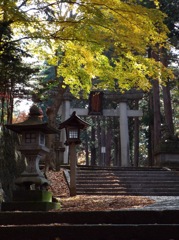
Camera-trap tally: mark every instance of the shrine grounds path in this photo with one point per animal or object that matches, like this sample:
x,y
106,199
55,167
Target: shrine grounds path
x,y
163,203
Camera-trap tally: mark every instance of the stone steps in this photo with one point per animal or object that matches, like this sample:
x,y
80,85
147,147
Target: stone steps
x,y
134,178
106,225
111,181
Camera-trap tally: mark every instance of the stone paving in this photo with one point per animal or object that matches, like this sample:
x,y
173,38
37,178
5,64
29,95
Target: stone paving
x,y
164,203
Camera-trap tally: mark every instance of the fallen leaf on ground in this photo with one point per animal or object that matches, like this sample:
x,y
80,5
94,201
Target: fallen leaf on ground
x,y
103,203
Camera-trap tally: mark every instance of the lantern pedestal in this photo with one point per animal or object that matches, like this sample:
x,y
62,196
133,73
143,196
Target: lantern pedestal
x,y
32,173
30,200
73,161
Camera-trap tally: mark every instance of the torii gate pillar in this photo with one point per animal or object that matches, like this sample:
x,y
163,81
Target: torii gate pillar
x,y
124,134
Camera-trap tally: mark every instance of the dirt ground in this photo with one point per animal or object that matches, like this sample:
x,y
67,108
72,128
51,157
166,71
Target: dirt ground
x,y
60,190
103,203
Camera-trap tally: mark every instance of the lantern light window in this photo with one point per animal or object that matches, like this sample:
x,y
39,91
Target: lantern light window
x,y
73,133
30,138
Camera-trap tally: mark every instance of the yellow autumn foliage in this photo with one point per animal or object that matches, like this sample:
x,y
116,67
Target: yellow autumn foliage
x,y
93,43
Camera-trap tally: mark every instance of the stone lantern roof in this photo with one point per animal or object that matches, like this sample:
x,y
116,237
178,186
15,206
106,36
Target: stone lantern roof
x,y
33,122
74,121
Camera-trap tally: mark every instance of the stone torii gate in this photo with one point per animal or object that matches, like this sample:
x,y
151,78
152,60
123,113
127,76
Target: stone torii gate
x,y
122,111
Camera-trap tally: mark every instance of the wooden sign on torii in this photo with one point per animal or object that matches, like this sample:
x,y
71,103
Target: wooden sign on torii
x,y
121,111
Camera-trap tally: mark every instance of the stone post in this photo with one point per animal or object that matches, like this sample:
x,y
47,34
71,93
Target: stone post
x,y
73,161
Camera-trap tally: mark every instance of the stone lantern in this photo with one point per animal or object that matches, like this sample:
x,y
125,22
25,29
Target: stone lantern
x,y
32,182
73,125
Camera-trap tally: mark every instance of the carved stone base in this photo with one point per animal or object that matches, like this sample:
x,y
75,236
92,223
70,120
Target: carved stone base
x,y
30,206
167,154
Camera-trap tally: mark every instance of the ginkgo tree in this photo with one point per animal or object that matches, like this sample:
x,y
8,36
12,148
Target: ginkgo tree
x,y
108,40
93,39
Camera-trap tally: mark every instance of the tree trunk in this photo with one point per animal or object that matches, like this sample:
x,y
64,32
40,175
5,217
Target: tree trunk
x,y
103,143
108,141
93,148
151,132
52,114
156,105
86,147
136,137
167,98
99,129
156,112
2,109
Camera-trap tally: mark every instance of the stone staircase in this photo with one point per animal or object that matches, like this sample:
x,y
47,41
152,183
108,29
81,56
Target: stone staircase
x,y
127,181
104,225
